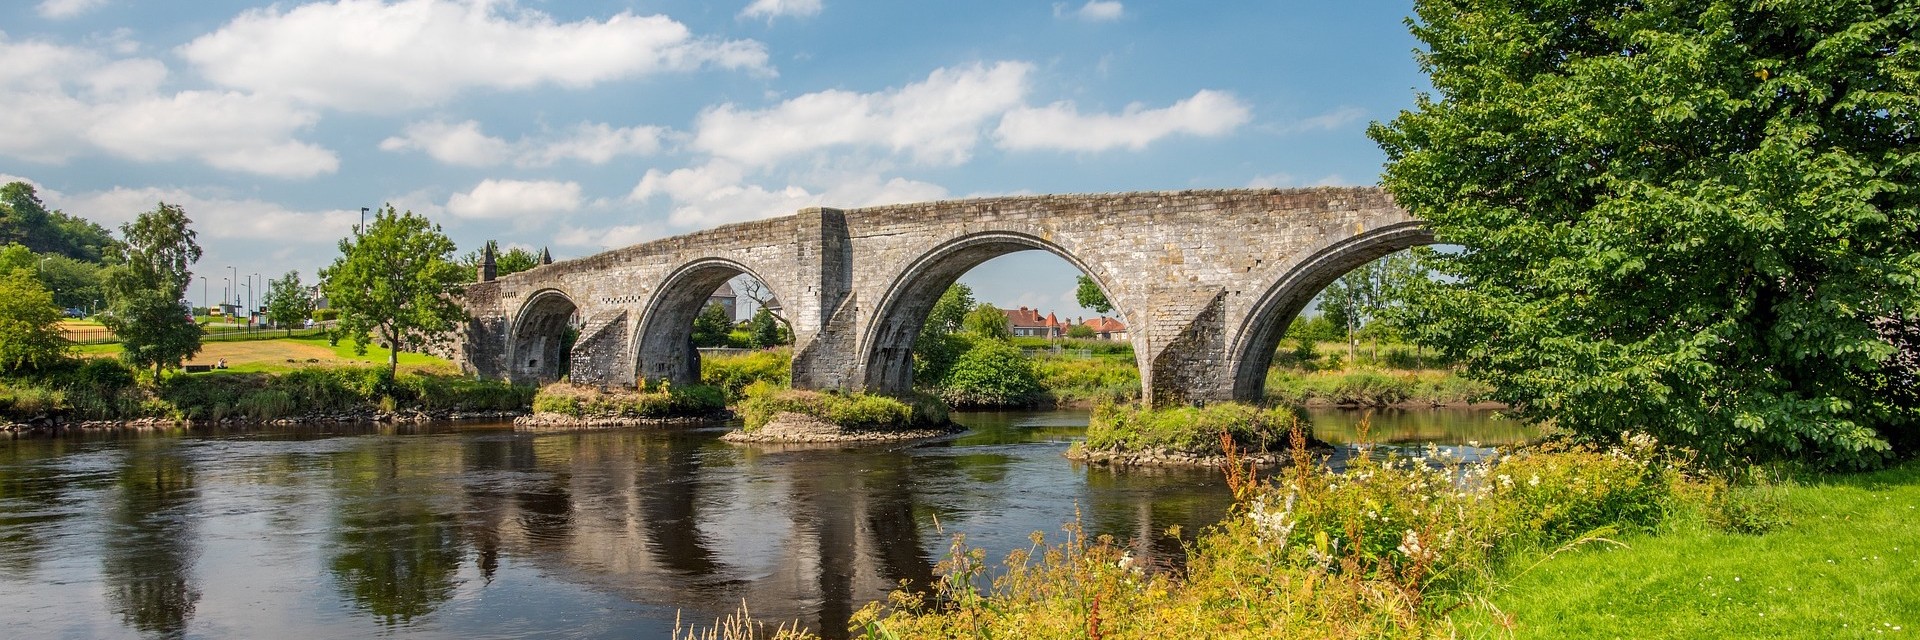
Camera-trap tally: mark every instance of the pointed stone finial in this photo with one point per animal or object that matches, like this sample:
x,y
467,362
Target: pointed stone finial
x,y
487,268
545,257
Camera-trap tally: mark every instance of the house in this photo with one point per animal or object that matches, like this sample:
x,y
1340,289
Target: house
x,y
724,297
1106,328
1029,323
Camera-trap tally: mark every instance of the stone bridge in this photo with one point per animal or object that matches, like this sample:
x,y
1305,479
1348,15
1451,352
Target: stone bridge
x,y
1206,281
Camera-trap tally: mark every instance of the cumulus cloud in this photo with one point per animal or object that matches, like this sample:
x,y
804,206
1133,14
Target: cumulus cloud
x,y
374,56
1062,126
936,121
718,193
608,237
771,9
214,216
465,144
63,9
65,101
492,199
1093,11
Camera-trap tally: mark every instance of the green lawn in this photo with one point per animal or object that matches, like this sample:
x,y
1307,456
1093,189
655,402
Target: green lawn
x,y
272,355
1846,565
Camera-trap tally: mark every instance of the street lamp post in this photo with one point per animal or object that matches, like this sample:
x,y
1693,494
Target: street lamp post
x,y
203,293
363,222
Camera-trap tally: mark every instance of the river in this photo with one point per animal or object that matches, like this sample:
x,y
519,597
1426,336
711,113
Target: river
x,y
481,531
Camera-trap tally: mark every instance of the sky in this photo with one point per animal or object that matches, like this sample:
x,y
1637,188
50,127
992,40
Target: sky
x,y
585,125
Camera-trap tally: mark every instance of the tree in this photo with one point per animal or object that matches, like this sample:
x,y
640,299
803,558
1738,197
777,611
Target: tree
x,y
512,261
939,344
988,322
1089,295
991,373
764,330
24,219
712,327
397,279
76,284
1080,332
30,336
288,303
146,288
1683,217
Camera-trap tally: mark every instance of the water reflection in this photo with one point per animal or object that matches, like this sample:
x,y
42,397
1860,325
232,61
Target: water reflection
x,y
149,546
1418,426
442,532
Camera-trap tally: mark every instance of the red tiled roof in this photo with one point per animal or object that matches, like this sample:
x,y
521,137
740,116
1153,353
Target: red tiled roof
x,y
1106,325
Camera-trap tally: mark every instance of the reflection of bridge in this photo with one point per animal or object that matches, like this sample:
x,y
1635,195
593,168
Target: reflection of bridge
x,y
1207,279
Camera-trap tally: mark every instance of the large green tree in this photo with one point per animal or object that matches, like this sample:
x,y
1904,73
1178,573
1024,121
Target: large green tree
x,y
146,288
30,336
1089,295
1682,216
713,327
940,343
26,220
288,303
395,282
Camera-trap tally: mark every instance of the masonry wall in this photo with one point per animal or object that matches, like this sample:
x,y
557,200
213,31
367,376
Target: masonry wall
x,y
1188,271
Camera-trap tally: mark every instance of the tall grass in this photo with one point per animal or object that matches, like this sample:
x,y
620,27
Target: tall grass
x,y
1089,380
1194,430
732,374
858,411
649,401
1373,387
104,389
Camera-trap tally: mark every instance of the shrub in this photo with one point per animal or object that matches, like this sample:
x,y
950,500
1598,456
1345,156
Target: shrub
x,y
732,373
1088,379
990,374
1189,429
857,411
665,401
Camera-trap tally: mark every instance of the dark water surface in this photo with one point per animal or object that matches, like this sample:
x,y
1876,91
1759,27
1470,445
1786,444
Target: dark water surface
x,y
479,531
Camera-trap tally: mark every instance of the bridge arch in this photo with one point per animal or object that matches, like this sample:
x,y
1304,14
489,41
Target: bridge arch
x,y
663,339
1260,333
536,347
903,309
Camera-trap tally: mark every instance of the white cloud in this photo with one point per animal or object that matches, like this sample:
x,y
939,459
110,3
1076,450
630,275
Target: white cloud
x,y
508,198
226,130
1093,11
771,9
461,144
465,144
65,101
375,56
936,121
63,9
608,237
1284,179
1328,121
717,193
1062,126
214,216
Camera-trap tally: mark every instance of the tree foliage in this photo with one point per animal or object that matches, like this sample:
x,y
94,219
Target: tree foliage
x,y
939,342
30,336
765,331
712,327
1089,295
146,288
1679,216
288,303
990,373
27,221
987,322
395,282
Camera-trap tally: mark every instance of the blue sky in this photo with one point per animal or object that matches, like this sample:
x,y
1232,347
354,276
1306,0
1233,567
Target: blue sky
x,y
585,125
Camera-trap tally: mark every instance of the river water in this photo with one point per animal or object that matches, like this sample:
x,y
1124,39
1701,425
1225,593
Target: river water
x,y
480,531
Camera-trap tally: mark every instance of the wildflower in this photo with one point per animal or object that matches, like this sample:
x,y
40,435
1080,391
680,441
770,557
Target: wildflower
x,y
1506,481
1535,482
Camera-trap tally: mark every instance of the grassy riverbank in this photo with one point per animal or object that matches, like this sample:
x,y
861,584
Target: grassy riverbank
x,y
1839,558
103,389
1554,542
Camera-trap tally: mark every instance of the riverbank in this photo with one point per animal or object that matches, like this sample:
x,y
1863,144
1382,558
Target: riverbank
x,y
788,427
52,427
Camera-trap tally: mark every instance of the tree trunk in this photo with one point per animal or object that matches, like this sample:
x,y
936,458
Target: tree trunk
x,y
393,356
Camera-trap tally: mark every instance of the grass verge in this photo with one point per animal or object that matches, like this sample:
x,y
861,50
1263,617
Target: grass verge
x,y
649,401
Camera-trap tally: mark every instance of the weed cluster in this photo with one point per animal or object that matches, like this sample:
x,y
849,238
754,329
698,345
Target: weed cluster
x,y
1089,380
1194,430
849,410
650,400
733,373
1384,548
1373,388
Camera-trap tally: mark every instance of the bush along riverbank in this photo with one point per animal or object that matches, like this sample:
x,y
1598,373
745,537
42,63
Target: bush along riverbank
x,y
773,414
1376,388
563,404
1130,435
102,393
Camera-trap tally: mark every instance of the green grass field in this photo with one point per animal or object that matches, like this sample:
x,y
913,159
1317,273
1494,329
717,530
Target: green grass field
x,y
272,355
1846,564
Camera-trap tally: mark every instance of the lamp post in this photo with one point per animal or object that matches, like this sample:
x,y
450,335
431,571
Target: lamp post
x,y
203,294
235,276
363,222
